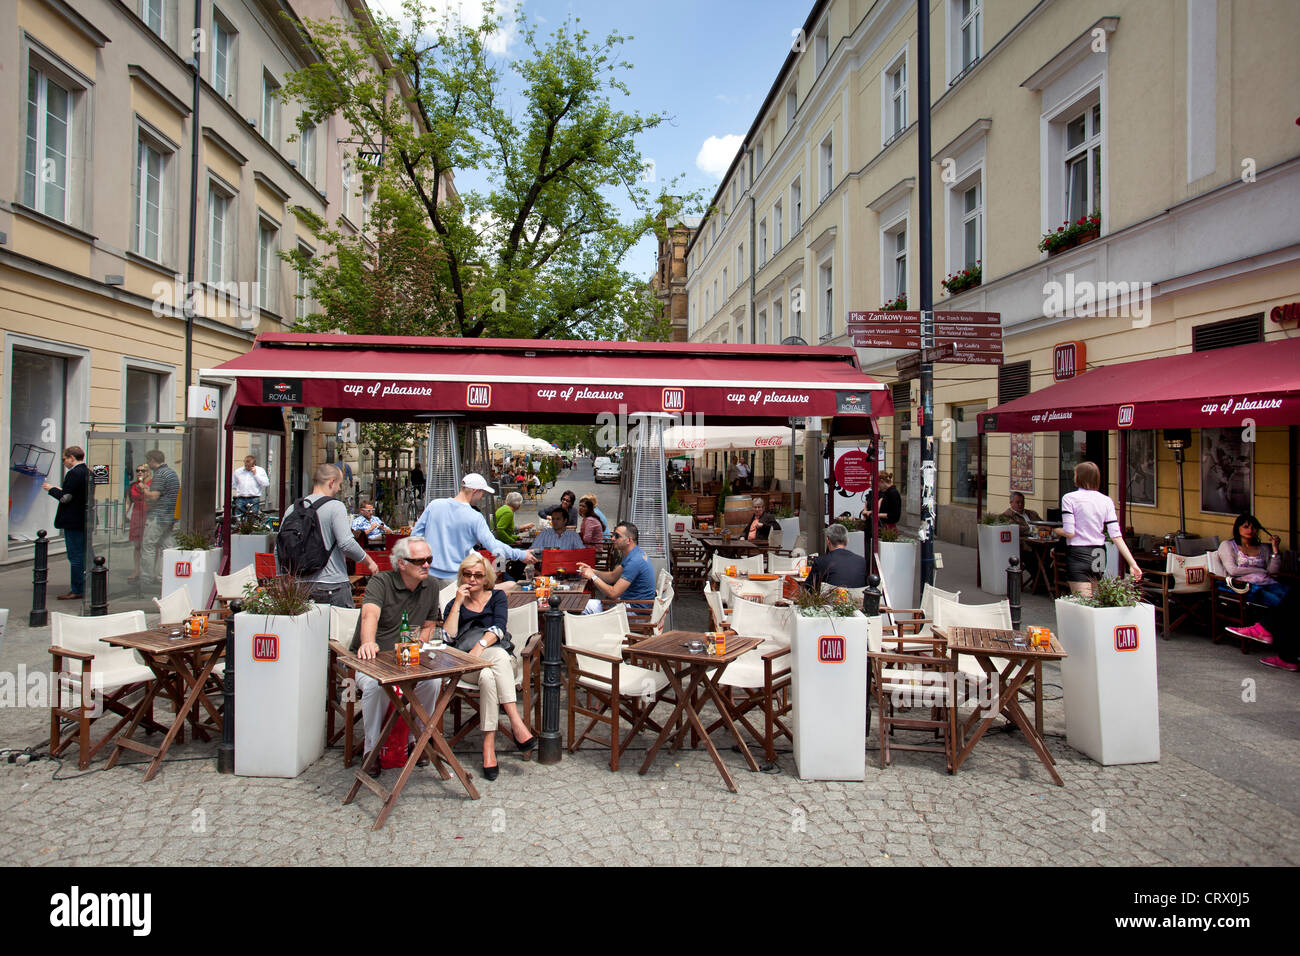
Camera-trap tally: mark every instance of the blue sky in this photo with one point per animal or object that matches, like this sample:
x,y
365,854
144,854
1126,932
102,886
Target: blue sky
x,y
707,64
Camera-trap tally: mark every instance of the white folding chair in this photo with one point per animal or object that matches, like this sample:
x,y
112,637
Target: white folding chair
x,y
175,607
762,675
720,564
341,712
230,587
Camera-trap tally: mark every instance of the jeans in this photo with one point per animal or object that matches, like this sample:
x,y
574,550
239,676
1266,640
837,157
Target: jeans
x,y
374,705
74,540
247,505
1269,595
337,595
157,539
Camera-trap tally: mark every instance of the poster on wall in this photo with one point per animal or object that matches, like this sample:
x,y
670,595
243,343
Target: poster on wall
x,y
1141,485
1022,462
1227,472
852,479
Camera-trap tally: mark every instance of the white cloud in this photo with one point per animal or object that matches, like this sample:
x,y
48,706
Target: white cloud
x,y
467,12
717,153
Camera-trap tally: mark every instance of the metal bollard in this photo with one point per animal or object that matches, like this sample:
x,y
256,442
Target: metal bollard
x,y
1013,592
226,749
871,596
99,588
40,576
551,746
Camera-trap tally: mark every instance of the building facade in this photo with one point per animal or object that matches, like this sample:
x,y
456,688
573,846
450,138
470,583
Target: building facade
x,y
668,284
117,149
1170,121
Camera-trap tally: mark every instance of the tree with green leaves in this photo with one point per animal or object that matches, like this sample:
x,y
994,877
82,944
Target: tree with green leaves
x,y
535,254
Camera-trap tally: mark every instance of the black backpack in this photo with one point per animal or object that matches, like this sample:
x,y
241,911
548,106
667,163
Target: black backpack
x,y
300,545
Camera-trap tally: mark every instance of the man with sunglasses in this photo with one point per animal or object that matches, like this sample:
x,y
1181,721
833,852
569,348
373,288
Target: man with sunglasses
x,y
454,526
632,580
408,589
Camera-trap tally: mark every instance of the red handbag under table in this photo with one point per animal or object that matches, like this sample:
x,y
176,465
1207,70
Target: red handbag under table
x,y
394,752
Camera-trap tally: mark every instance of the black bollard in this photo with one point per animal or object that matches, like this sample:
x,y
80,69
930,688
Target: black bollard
x,y
99,588
1013,591
871,596
40,576
226,749
551,746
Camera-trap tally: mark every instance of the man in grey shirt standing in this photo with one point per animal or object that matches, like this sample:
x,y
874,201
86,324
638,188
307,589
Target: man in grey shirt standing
x,y
330,583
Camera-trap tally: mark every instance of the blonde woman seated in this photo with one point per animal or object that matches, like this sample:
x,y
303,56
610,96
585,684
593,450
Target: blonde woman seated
x,y
475,621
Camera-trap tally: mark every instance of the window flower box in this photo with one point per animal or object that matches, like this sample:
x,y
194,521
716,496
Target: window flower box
x,y
1071,234
963,280
896,305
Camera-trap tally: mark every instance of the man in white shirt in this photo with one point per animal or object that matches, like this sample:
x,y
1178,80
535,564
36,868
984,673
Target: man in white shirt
x,y
247,485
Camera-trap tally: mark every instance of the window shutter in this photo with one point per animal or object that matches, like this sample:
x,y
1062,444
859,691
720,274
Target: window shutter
x,y
1013,382
1246,330
902,397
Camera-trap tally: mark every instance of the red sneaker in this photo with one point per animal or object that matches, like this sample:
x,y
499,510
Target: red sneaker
x,y
1279,664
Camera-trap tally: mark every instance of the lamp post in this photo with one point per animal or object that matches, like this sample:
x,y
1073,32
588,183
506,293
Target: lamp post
x,y
1177,439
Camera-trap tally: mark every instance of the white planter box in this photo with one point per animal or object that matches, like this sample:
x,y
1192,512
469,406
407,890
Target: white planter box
x,y
195,571
788,536
999,543
680,524
829,703
244,546
281,668
1112,702
898,570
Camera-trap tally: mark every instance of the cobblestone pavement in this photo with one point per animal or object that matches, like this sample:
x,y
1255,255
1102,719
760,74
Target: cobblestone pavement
x,y
1225,792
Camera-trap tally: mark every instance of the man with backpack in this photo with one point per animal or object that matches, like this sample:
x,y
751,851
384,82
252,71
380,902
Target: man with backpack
x,y
315,540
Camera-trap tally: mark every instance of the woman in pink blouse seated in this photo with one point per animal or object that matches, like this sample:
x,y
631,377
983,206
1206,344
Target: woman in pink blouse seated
x,y
590,528
1087,517
1247,560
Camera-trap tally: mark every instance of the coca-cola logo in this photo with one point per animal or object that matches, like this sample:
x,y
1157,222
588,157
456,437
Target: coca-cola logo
x,y
690,442
771,442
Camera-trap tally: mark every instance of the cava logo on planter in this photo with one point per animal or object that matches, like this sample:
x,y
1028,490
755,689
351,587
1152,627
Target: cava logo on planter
x,y
1005,537
182,569
830,649
1126,637
674,399
282,391
478,396
1125,416
266,647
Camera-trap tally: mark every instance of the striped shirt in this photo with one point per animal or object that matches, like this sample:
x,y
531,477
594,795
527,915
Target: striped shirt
x,y
168,484
1087,517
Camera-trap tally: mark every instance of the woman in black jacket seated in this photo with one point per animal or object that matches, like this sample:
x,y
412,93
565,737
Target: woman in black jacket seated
x,y
480,613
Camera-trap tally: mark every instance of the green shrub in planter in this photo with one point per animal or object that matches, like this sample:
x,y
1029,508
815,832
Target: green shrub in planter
x,y
1109,592
193,541
991,518
285,595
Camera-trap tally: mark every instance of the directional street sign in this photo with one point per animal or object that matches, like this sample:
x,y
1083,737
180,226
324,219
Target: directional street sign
x,y
882,318
888,340
946,353
969,318
945,330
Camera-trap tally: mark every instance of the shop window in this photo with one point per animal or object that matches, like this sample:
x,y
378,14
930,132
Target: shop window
x,y
967,481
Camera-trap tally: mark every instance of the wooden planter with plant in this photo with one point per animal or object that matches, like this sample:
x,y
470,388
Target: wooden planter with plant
x,y
191,565
281,672
828,652
899,564
1112,702
999,542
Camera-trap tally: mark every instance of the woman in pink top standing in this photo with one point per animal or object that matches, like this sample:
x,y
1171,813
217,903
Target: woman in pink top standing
x,y
1087,518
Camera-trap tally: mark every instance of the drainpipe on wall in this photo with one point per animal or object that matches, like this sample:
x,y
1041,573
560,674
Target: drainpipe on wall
x,y
753,253
195,69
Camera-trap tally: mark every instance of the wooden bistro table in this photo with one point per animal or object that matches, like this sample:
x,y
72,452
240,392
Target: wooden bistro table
x,y
571,599
983,644
446,663
668,651
1041,549
182,666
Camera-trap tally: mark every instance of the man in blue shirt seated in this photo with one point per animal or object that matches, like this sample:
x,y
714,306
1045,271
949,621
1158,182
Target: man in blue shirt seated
x,y
557,535
454,526
632,580
370,524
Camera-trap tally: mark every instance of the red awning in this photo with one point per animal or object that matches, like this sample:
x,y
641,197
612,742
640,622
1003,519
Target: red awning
x,y
529,380
1219,388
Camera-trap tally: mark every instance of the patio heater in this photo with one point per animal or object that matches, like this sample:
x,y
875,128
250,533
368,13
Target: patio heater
x,y
649,504
1178,439
442,472
478,457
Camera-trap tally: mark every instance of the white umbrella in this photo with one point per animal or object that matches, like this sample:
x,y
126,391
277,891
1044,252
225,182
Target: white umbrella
x,y
505,438
690,438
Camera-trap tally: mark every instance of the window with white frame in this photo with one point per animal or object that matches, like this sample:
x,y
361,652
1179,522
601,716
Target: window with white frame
x,y
717,303
972,223
268,263
708,313
691,328
791,106
778,325
303,299
796,206
894,245
965,35
270,109
777,237
307,153
740,331
150,168
826,298
760,332
740,263
367,199
827,165
47,169
895,99
1083,162
151,12
345,199
726,289
762,243
223,55
221,233
758,156
821,46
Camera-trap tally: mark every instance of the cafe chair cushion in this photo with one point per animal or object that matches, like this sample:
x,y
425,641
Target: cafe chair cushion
x,y
1190,574
343,626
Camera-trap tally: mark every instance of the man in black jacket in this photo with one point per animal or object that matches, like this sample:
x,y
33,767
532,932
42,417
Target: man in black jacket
x,y
70,518
839,566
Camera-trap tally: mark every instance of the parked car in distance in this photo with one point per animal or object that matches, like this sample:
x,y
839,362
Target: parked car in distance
x,y
607,471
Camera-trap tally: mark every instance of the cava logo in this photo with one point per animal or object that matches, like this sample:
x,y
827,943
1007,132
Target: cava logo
x,y
478,396
182,569
830,649
1125,416
1005,537
266,647
1126,637
674,399
75,909
1066,360
1195,575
